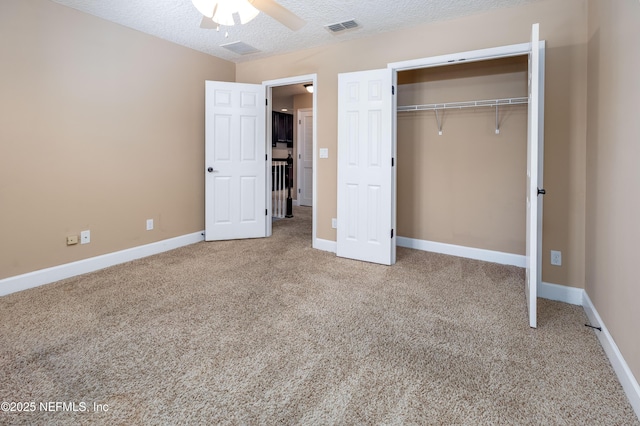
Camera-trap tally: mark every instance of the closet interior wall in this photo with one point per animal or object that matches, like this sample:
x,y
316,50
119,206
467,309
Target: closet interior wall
x,y
467,186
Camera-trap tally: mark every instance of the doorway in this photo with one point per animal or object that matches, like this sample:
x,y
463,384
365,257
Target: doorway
x,y
294,96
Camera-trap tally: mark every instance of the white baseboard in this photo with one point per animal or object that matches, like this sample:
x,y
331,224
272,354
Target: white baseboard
x,y
460,251
620,366
561,293
325,245
68,270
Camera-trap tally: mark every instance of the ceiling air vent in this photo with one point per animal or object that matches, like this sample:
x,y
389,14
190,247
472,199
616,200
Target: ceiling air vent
x,y
240,48
342,26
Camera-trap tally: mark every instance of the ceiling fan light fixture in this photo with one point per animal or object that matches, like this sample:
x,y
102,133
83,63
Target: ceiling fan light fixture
x,y
246,11
222,11
309,87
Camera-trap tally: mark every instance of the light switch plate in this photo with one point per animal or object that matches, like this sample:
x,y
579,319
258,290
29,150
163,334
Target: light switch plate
x,y
324,152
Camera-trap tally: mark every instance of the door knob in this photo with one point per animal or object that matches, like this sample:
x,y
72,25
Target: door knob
x,y
541,191
210,170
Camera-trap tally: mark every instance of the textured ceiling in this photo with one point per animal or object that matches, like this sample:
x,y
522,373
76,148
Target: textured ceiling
x,y
179,21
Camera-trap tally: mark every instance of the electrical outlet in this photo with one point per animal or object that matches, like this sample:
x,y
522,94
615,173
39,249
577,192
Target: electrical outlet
x,y
149,224
556,257
85,237
334,223
72,239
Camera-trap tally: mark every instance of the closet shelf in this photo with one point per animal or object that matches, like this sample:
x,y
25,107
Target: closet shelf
x,y
466,104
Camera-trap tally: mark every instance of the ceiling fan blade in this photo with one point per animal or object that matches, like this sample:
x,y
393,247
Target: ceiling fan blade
x,y
279,13
208,24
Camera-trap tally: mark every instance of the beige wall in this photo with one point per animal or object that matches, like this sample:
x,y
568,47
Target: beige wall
x,y
613,172
101,128
563,26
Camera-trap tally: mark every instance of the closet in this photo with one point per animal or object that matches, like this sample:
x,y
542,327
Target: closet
x,y
468,175
462,152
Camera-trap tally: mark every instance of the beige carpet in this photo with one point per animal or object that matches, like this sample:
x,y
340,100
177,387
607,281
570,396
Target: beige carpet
x,y
271,331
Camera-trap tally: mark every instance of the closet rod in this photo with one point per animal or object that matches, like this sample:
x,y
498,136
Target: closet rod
x,y
466,104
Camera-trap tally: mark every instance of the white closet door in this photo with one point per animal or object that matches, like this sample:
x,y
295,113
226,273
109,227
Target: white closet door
x,y
235,175
535,158
366,192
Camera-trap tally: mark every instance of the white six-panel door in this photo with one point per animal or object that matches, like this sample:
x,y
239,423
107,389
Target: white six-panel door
x,y
235,162
535,156
305,157
366,192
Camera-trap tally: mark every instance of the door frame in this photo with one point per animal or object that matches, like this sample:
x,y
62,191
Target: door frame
x,y
269,85
519,49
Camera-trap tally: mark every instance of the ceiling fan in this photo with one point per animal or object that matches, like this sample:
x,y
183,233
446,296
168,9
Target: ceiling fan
x,y
220,12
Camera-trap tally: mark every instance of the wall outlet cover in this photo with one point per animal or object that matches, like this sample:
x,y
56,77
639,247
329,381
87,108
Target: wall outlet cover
x,y
85,237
